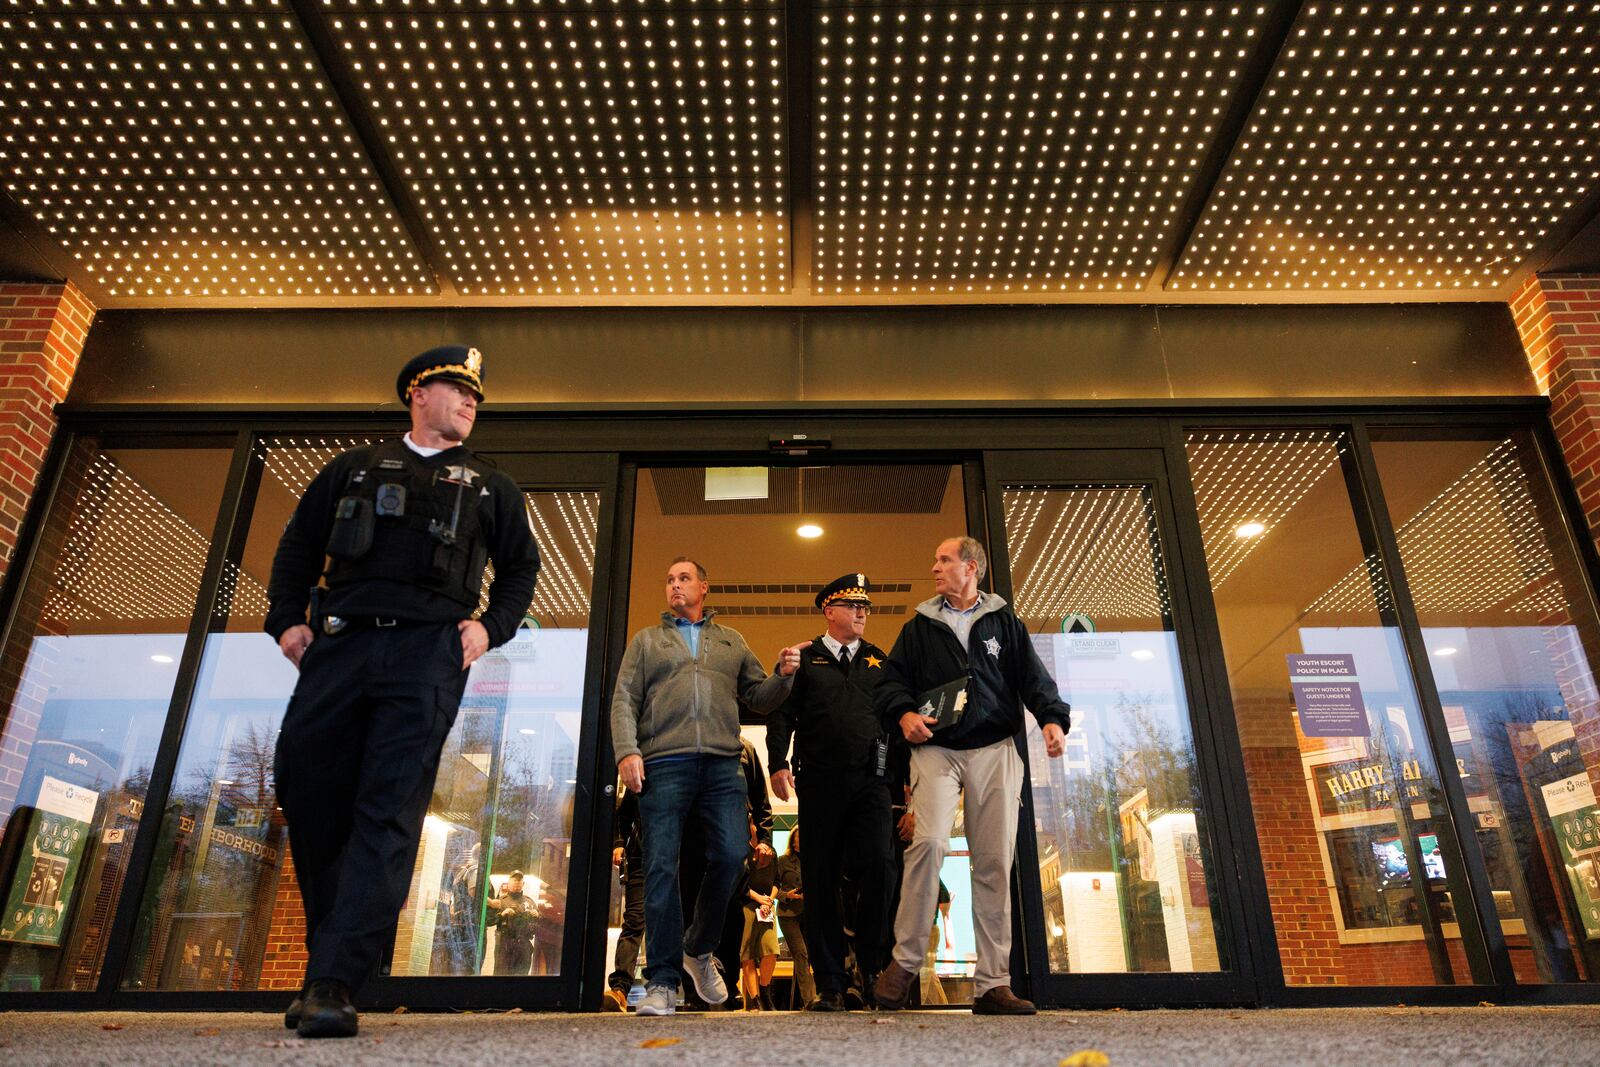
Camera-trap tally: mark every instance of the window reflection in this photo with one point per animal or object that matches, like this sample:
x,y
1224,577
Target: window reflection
x,y
1511,635
1346,798
1122,851
88,675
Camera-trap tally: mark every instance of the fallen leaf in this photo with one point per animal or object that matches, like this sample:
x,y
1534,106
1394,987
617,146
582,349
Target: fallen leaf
x,y
1485,1003
280,1043
210,1031
111,1026
1089,1057
513,1011
402,1010
659,1042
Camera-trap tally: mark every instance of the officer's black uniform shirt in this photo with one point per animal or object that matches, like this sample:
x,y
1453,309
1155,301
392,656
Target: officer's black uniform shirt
x,y
301,556
831,710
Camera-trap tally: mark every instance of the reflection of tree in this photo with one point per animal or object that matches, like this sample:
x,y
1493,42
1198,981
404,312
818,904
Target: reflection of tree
x,y
250,762
1151,754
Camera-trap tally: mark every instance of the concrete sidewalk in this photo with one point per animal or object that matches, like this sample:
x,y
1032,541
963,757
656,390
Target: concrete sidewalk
x,y
1346,1037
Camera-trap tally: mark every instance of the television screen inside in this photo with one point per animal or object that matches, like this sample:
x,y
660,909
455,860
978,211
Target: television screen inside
x,y
1391,856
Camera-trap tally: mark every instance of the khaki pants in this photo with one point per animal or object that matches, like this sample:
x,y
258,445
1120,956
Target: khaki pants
x,y
991,779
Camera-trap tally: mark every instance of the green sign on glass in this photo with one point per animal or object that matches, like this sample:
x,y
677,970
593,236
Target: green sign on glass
x,y
55,839
1576,819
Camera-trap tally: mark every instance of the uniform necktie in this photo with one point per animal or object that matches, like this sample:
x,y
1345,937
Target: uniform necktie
x,y
844,656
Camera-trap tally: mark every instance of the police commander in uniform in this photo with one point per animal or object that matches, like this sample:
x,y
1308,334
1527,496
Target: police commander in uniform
x,y
405,528
841,773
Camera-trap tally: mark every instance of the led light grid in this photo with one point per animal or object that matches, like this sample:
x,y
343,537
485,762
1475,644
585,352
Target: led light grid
x,y
128,556
1475,547
192,150
597,148
1092,551
565,524
1253,476
1407,146
1027,148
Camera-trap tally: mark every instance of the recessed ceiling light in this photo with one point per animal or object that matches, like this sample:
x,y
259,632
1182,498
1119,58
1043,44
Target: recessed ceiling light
x,y
1445,651
810,530
1251,529
160,658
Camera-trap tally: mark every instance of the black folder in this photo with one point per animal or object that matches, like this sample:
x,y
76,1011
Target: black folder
x,y
947,703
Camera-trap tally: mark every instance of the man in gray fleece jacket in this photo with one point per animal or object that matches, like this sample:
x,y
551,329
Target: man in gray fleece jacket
x,y
675,732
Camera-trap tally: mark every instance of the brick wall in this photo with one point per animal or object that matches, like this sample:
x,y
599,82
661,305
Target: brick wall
x,y
42,330
1558,317
283,966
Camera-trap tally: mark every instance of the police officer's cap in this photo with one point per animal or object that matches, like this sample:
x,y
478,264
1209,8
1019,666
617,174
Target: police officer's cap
x,y
455,363
846,589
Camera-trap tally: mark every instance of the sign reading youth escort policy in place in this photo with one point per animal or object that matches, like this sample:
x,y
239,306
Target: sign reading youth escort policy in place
x,y
1327,695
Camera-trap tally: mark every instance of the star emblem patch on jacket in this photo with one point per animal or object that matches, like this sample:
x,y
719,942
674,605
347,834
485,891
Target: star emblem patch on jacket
x,y
993,645
874,661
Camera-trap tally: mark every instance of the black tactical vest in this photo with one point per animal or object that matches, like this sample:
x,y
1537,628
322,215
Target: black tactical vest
x,y
403,520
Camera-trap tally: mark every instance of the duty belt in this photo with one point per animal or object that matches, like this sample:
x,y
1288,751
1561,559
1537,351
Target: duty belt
x,y
338,624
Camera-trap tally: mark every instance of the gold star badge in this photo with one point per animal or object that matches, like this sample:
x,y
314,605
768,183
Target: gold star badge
x,y
874,661
474,360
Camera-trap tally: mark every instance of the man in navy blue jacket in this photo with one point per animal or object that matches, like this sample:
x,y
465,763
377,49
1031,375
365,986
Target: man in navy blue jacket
x,y
964,633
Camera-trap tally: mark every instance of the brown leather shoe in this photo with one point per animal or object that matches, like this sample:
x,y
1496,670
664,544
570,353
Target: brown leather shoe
x,y
1001,1001
894,987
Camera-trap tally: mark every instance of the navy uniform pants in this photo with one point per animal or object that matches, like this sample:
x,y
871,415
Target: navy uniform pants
x,y
356,760
845,828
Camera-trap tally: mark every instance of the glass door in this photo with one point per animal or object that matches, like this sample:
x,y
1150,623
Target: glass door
x,y
220,911
500,891
1122,863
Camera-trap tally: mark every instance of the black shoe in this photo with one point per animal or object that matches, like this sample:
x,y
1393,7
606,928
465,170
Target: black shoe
x,y
853,1001
766,999
827,1002
291,1018
327,1011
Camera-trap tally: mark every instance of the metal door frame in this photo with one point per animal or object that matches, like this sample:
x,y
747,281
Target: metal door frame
x,y
1236,984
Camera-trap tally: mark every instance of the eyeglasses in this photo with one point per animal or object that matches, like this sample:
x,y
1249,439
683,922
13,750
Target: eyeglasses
x,y
859,609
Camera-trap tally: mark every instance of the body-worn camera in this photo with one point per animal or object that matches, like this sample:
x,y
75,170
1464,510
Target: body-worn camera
x,y
391,501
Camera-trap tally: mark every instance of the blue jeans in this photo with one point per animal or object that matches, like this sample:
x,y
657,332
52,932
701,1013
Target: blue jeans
x,y
711,789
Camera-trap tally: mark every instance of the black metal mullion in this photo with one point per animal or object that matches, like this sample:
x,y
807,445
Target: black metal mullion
x,y
1481,934
605,660
583,965
1256,930
232,517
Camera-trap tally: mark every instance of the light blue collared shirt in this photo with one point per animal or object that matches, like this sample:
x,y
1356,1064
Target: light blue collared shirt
x,y
690,632
960,621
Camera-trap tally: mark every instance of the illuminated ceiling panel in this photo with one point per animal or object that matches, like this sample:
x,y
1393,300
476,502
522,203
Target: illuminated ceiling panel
x,y
189,150
1025,148
388,152
1407,146
596,148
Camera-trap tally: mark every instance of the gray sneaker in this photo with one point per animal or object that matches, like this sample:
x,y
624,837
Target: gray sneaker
x,y
706,973
658,1000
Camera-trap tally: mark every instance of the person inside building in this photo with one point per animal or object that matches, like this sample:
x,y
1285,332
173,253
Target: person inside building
x,y
966,654
512,913
841,773
791,904
399,534
758,944
675,733
627,859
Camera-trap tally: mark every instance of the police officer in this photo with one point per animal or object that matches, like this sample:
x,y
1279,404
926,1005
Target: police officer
x,y
406,527
841,771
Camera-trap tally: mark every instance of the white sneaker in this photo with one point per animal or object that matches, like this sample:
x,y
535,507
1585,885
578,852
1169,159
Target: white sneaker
x,y
658,1000
706,973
